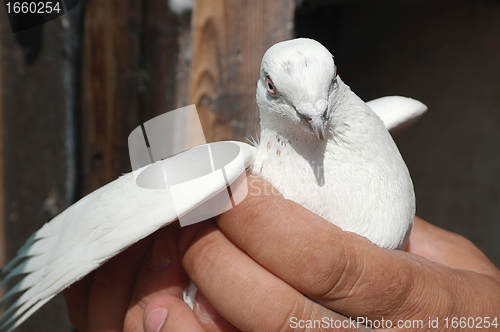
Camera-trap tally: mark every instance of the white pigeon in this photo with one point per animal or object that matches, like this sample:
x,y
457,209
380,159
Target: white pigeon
x,y
320,146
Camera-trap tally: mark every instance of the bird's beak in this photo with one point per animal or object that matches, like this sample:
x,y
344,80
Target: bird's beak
x,y
318,125
315,116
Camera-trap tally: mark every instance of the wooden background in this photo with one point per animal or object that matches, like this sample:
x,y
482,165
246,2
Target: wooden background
x,y
73,89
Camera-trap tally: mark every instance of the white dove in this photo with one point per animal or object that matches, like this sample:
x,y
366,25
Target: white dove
x,y
320,146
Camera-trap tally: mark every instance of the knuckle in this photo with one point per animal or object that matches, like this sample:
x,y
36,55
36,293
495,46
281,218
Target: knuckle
x,y
341,281
328,272
355,277
300,311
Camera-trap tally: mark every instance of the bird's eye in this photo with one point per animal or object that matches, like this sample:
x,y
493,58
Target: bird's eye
x,y
270,86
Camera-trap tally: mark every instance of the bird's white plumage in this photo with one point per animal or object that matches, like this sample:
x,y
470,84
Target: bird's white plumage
x,y
353,176
396,111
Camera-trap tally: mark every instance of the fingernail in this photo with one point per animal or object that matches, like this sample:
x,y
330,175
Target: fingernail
x,y
156,319
160,258
205,309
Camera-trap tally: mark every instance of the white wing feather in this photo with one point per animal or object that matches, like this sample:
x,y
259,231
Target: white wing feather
x,y
99,226
396,111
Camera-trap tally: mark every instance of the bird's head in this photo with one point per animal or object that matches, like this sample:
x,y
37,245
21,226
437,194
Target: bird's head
x,y
297,84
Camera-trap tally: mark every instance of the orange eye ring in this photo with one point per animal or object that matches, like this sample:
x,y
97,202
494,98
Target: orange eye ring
x,y
270,86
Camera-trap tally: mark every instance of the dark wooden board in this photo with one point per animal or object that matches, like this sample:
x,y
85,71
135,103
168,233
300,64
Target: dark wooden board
x,y
34,155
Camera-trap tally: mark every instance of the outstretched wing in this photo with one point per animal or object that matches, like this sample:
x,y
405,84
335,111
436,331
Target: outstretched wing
x,y
112,218
397,112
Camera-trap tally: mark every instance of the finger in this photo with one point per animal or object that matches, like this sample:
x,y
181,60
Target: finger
x,y
169,313
343,271
111,288
209,318
160,273
451,249
77,300
242,291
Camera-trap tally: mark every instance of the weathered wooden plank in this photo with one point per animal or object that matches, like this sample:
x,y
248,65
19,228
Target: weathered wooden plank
x,y
134,70
34,143
112,35
228,41
159,56
165,67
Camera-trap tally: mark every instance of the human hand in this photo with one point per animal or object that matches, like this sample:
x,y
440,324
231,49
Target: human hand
x,y
441,276
146,280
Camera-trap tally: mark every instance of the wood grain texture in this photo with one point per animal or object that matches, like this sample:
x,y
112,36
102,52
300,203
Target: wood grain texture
x,y
111,87
33,143
131,74
229,39
159,57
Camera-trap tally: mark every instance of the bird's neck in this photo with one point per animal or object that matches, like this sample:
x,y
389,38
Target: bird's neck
x,y
280,146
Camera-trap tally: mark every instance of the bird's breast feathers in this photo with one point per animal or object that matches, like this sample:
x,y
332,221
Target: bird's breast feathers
x,y
363,188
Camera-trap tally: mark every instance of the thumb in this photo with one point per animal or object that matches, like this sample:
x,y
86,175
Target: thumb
x,y
453,250
340,270
169,313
